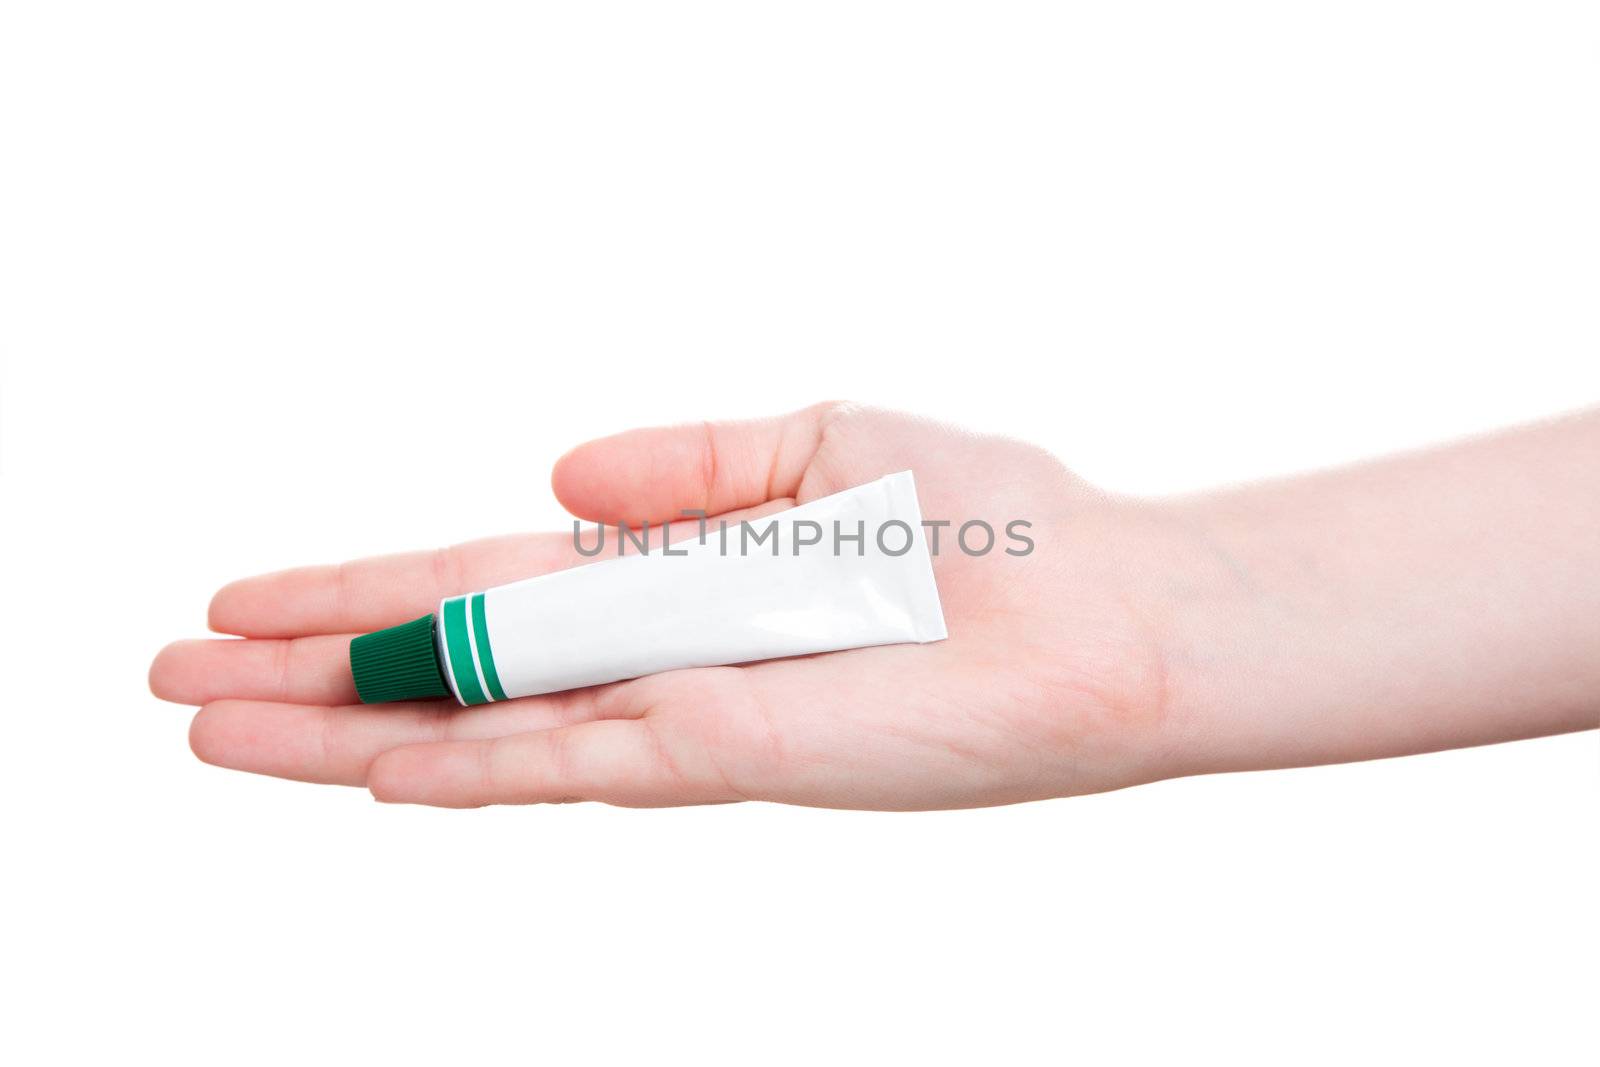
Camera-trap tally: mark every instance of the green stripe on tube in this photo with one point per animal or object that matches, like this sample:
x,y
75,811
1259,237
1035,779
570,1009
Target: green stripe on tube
x,y
455,642
480,630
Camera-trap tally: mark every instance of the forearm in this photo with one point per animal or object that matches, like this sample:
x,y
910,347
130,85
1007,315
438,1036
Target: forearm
x,y
1428,601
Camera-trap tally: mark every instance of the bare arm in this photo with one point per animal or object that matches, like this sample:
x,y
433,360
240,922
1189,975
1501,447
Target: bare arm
x,y
1433,600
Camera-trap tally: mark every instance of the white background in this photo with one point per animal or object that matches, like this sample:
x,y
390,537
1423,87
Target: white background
x,y
295,282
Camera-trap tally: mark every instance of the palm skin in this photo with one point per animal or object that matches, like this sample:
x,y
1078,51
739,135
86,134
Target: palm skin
x,y
1051,682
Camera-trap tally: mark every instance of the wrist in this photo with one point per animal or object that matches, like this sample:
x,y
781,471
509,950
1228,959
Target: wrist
x,y
1200,602
1134,659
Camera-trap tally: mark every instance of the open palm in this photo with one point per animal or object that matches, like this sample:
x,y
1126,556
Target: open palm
x,y
1050,682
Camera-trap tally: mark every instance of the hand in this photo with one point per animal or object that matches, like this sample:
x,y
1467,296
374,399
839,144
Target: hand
x,y
1439,599
1051,682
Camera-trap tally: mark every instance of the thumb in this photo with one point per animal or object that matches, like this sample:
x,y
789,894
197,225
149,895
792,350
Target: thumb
x,y
653,475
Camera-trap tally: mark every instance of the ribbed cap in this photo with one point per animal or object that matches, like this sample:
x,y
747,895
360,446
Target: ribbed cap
x,y
400,663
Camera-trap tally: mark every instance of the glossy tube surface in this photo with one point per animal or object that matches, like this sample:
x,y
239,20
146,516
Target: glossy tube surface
x,y
843,571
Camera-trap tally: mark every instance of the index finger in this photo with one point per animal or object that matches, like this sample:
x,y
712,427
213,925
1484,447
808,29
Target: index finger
x,y
370,594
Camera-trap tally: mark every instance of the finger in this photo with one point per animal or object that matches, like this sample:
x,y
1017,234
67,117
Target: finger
x,y
370,594
653,475
311,670
336,745
617,761
302,670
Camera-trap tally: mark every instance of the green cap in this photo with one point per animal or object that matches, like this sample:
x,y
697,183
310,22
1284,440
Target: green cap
x,y
400,663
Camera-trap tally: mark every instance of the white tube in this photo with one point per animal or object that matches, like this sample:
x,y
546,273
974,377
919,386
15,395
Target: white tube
x,y
845,571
